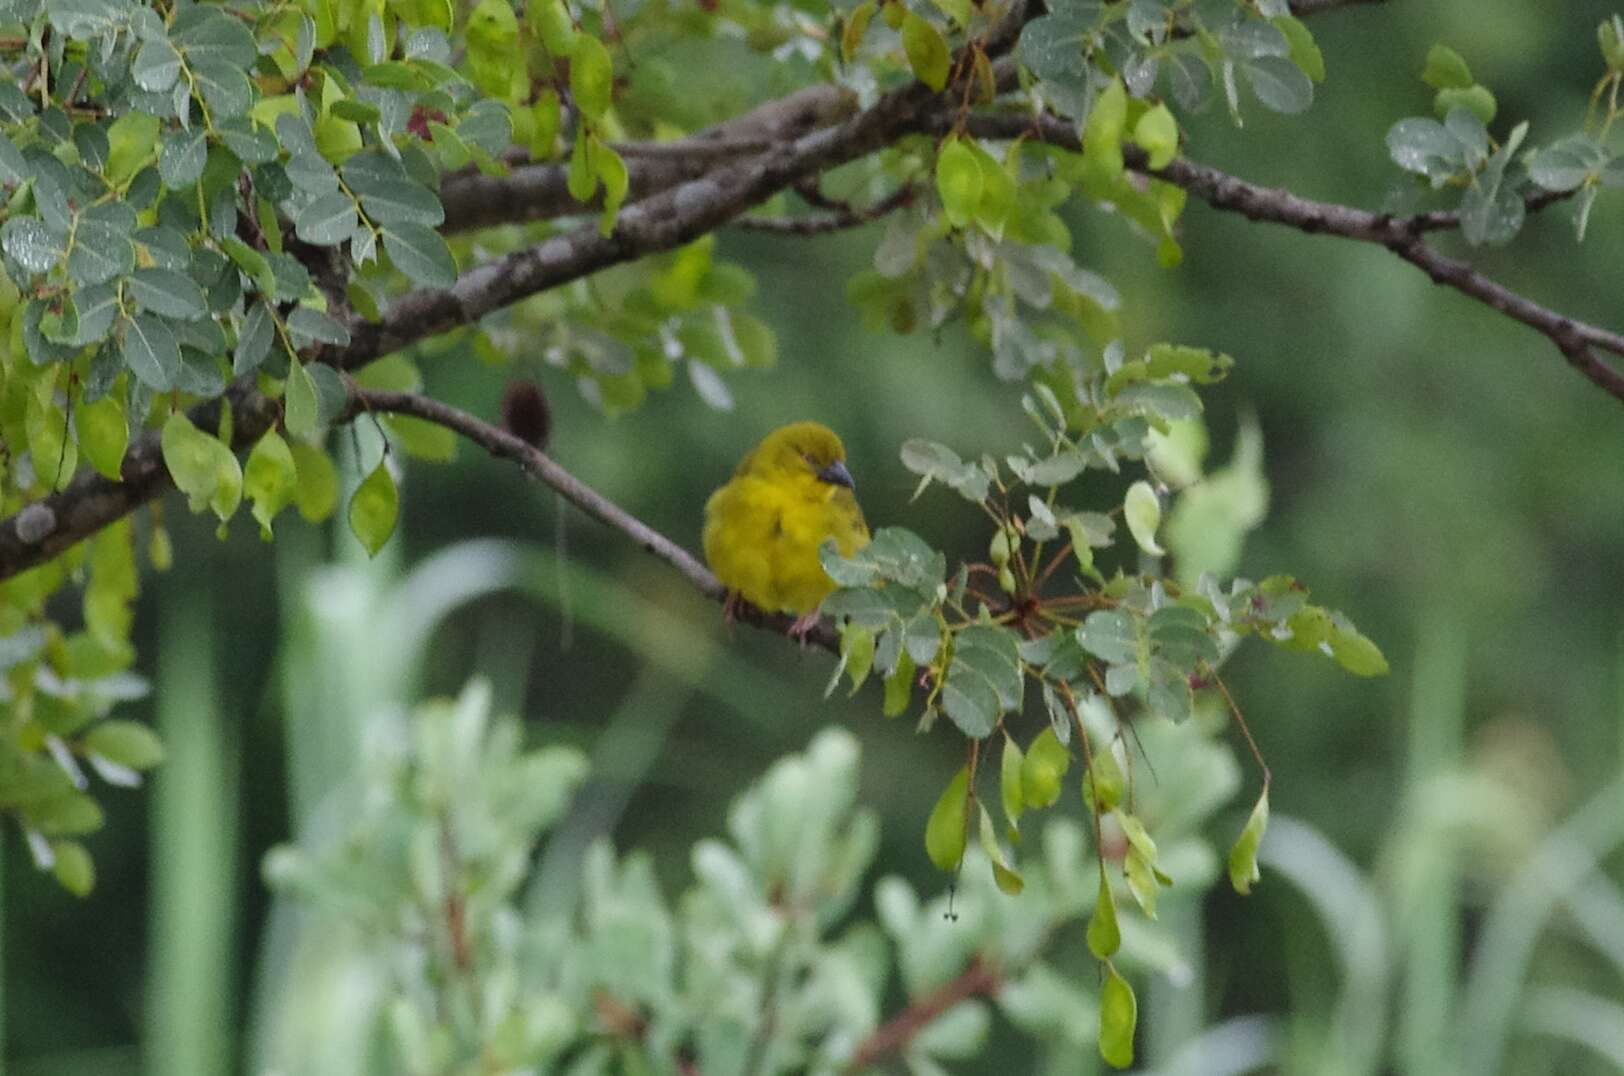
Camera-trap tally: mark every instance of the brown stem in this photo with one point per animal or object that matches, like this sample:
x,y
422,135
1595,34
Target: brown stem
x,y
893,1036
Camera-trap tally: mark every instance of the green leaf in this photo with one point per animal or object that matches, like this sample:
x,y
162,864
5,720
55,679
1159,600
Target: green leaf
x,y
327,221
492,34
225,88
1142,511
552,23
46,428
1353,651
1568,164
65,813
1043,769
374,508
1446,69
1610,36
422,440
1102,140
270,479
957,10
103,433
1477,100
309,325
898,686
1164,361
1280,84
1491,210
299,402
421,253
149,350
203,468
855,26
895,554
1243,870
181,158
34,246
387,195
206,33
927,51
1425,147
14,168
1119,1013
999,192
856,654
1104,935
591,77
1104,784
254,339
938,462
1009,781
580,179
611,172
947,831
1111,635
1304,52
169,293
317,493
958,181
1003,875
73,868
984,679
1157,133
127,743
101,247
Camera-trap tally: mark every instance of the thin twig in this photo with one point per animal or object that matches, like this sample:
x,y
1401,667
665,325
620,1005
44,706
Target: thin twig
x,y
895,1034
840,219
498,442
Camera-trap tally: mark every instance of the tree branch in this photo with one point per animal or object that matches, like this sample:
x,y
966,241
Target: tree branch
x,y
841,216
41,530
504,445
531,191
1576,340
662,221
895,1034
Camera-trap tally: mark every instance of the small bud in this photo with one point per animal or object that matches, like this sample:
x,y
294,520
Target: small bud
x,y
998,550
1610,35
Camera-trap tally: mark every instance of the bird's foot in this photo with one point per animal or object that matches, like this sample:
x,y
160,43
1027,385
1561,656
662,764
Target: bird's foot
x,y
802,626
730,610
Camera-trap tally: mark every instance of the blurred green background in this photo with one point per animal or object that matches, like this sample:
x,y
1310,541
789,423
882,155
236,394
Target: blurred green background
x,y
1437,472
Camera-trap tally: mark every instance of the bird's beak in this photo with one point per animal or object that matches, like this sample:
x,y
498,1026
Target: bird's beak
x,y
837,475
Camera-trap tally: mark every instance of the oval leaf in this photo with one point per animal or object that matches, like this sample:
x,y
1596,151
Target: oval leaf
x,y
1243,869
1119,1013
374,508
947,830
927,51
1104,935
1143,512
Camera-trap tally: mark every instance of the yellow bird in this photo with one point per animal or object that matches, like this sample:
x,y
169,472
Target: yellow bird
x,y
763,528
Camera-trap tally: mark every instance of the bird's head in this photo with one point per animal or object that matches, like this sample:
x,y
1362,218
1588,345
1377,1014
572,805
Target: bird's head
x,y
803,449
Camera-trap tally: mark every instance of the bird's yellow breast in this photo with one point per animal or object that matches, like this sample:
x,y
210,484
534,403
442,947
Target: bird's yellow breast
x,y
762,536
